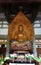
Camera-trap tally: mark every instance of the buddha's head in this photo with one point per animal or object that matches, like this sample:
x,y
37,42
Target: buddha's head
x,y
20,28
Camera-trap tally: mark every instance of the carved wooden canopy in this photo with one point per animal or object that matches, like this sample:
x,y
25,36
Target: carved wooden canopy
x,y
20,28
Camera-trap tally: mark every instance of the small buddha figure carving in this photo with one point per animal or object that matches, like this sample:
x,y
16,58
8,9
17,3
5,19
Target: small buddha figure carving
x,y
20,34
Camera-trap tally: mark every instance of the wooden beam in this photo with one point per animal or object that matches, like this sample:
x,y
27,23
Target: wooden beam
x,y
15,1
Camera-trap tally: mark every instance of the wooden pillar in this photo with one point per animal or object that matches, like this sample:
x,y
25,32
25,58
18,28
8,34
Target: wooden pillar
x,y
8,49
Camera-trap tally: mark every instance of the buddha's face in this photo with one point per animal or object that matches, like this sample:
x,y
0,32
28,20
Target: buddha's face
x,y
20,28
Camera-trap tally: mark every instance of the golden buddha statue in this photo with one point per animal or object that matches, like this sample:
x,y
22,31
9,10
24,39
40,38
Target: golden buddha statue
x,y
20,34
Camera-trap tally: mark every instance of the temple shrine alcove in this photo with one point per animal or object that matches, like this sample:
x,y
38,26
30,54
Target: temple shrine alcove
x,y
21,32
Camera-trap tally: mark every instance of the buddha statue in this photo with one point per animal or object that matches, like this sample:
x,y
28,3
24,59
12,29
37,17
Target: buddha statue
x,y
20,35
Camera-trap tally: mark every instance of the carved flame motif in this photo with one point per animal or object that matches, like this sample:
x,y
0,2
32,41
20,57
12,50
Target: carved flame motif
x,y
21,28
